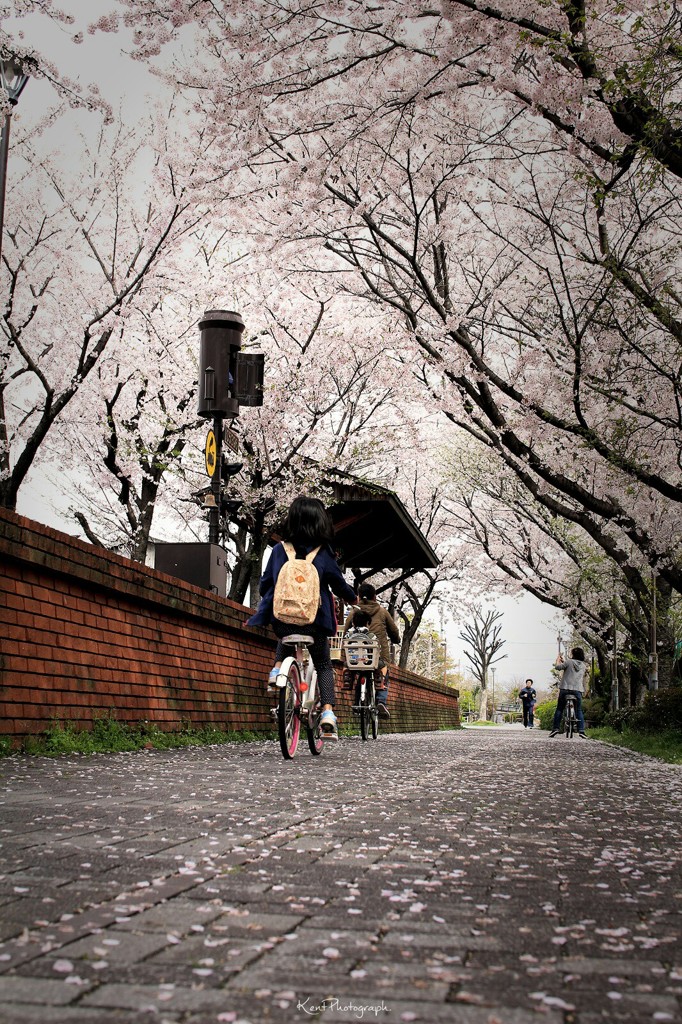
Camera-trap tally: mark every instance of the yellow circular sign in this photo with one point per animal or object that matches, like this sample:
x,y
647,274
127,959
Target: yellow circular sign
x,y
210,453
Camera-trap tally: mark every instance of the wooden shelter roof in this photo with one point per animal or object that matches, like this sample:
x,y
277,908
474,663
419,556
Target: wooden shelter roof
x,y
373,528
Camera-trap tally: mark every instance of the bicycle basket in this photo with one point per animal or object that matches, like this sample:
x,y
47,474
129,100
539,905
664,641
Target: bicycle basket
x,y
336,646
361,654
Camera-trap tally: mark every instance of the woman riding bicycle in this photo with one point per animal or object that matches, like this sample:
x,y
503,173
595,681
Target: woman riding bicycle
x,y
307,526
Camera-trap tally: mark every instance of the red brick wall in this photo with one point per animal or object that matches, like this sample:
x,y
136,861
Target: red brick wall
x,y
86,633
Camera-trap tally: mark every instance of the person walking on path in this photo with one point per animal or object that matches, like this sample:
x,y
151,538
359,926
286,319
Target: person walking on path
x,y
308,526
527,696
572,682
384,628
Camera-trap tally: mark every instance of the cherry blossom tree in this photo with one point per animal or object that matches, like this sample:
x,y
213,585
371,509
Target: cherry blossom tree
x,y
503,182
131,470
84,263
506,182
323,394
558,563
597,72
410,595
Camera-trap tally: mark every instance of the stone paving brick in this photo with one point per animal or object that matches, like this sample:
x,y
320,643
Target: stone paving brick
x,y
39,1013
113,945
38,990
155,999
179,916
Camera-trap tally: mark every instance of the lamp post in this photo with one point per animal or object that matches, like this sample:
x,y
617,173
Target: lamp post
x,y
492,671
444,645
12,79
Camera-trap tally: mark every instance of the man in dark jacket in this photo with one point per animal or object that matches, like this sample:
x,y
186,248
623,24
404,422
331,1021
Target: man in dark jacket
x,y
528,696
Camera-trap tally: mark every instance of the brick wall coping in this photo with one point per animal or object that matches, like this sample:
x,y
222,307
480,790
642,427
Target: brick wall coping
x,y
25,540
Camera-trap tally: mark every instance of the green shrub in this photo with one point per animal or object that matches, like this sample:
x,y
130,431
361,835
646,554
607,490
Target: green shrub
x,y
624,718
661,711
544,714
594,710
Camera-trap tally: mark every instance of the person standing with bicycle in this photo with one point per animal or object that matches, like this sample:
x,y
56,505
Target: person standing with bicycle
x,y
307,526
572,681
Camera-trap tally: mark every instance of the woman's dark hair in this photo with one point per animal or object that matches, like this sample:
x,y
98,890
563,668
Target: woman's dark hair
x,y
529,680
578,653
366,592
308,523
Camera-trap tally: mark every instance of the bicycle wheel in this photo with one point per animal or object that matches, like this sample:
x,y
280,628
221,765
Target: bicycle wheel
x,y
288,712
570,722
312,728
363,704
373,710
374,718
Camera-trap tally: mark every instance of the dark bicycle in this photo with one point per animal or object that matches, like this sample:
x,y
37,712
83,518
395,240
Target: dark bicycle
x,y
361,655
570,723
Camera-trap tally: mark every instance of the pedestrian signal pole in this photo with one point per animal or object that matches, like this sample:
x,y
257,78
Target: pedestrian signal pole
x,y
228,379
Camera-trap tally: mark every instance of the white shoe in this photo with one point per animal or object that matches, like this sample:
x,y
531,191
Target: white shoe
x,y
328,726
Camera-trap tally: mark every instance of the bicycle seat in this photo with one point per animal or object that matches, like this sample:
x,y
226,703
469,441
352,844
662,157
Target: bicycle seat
x,y
297,638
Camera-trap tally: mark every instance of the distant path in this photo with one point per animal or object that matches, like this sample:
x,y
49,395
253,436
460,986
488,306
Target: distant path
x,y
474,877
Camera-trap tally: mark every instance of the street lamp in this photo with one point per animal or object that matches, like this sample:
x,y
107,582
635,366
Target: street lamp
x,y
12,79
444,645
493,670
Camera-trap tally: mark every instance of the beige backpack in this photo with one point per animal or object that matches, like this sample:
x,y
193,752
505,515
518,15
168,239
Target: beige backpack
x,y
296,599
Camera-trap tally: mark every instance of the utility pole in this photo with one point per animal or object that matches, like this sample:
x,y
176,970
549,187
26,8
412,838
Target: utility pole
x,y
653,657
493,675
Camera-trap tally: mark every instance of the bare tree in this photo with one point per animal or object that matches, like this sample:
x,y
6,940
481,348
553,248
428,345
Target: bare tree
x,y
482,635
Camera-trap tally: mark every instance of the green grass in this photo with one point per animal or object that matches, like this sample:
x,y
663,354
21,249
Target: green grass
x,y
108,735
666,746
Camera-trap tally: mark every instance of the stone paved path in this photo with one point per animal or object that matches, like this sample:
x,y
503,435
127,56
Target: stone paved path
x,y
487,876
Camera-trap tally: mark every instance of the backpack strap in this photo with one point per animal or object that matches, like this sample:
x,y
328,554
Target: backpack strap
x,y
291,552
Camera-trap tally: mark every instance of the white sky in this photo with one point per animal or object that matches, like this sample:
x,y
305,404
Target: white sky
x,y
529,627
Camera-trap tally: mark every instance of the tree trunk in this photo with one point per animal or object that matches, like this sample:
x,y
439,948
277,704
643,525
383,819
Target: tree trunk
x,y
483,713
248,568
409,633
665,631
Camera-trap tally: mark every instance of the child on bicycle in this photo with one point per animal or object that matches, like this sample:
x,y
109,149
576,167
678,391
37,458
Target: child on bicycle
x,y
572,682
360,630
384,628
307,526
